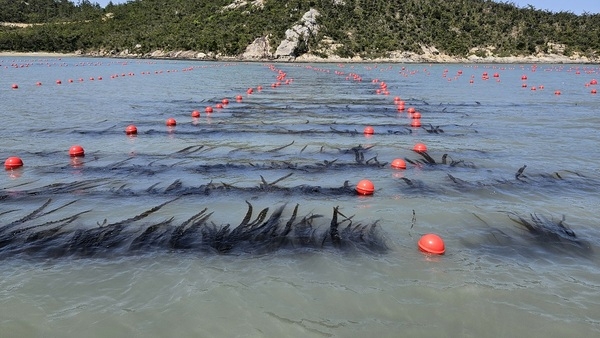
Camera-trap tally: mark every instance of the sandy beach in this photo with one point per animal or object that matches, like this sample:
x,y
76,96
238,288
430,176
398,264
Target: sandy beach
x,y
36,54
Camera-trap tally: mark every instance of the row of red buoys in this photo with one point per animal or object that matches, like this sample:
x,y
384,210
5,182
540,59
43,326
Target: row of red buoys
x,y
15,162
366,187
99,78
171,122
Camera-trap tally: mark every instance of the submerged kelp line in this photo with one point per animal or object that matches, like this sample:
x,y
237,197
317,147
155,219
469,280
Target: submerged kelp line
x,y
538,236
565,180
34,235
177,189
68,237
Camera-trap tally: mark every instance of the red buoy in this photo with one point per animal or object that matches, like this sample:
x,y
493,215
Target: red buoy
x,y
369,130
13,162
76,151
15,86
411,110
249,91
415,123
131,130
225,102
398,163
365,187
208,109
420,148
171,122
594,91
432,243
58,81
238,98
416,115
219,106
195,113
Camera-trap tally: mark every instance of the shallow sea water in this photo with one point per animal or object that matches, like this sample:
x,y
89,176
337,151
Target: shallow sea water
x,y
495,279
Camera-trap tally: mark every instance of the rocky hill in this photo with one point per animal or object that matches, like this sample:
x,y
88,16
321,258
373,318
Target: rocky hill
x,y
411,30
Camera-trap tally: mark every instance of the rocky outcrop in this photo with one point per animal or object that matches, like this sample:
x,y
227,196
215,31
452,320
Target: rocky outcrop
x,y
300,33
180,54
242,3
259,49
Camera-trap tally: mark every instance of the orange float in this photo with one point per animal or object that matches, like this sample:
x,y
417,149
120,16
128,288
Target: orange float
x,y
365,187
432,243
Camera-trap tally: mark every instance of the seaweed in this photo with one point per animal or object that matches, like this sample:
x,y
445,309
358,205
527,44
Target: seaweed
x,y
262,234
541,235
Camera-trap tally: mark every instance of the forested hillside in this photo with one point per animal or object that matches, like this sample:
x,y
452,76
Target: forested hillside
x,y
366,28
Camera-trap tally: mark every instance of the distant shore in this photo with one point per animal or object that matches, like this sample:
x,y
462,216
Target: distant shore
x,y
38,54
309,58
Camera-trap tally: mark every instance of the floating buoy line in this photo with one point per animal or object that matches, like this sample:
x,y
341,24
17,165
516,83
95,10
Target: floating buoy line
x,y
250,236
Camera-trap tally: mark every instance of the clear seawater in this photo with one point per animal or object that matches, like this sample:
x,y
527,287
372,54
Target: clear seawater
x,y
495,280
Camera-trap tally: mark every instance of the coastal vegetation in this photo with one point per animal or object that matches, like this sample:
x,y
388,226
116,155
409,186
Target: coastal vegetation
x,y
347,28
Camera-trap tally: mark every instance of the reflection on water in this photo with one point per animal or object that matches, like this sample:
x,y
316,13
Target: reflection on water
x,y
509,181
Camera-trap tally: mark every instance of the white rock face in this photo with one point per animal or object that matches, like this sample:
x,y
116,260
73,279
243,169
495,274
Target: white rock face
x,y
258,49
307,27
241,3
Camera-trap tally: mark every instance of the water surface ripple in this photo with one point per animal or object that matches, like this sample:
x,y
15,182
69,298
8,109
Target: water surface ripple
x,y
510,182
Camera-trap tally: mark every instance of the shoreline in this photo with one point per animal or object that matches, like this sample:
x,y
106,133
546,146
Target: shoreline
x,y
309,58
34,54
